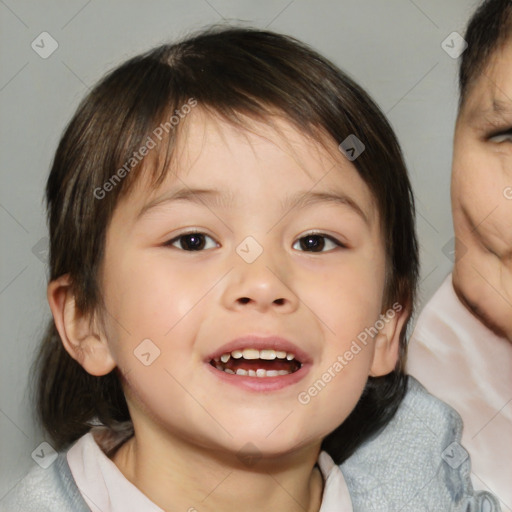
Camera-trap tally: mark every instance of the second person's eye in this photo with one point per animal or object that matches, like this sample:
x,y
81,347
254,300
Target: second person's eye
x,y
193,242
316,243
498,138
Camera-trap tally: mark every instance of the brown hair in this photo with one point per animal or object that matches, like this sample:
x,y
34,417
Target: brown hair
x,y
488,29
232,72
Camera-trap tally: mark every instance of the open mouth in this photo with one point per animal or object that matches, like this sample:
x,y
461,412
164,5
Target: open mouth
x,y
252,362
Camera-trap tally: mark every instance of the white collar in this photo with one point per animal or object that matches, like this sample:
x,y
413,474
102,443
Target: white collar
x,y
105,488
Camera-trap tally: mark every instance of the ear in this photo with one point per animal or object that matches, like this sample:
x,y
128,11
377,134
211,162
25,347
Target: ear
x,y
79,335
387,341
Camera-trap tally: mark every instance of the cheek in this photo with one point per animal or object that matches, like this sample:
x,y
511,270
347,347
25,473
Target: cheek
x,y
149,299
335,389
351,292
160,393
479,184
479,175
347,303
154,292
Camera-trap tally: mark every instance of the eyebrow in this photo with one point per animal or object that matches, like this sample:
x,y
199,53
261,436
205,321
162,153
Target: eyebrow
x,y
303,199
500,110
206,197
216,198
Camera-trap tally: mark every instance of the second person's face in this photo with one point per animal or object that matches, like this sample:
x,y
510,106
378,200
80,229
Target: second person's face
x,y
482,196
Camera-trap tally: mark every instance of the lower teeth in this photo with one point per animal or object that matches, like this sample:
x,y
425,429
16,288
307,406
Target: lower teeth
x,y
260,372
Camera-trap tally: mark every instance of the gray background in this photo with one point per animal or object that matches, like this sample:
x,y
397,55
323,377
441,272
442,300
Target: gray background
x,y
392,48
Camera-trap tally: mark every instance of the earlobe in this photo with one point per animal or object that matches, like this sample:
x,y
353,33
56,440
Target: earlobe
x,y
82,340
387,344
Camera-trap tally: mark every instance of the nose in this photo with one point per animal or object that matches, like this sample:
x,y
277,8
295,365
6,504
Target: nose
x,y
261,286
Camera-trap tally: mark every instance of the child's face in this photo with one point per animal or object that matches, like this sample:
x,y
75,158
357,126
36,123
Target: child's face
x,y
255,276
482,195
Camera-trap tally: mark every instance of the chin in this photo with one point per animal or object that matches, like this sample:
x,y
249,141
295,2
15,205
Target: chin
x,y
502,329
469,295
271,443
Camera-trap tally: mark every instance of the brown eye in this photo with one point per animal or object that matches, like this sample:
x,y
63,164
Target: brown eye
x,y
316,243
192,242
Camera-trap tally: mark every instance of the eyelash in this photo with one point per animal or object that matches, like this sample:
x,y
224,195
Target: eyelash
x,y
505,134
329,238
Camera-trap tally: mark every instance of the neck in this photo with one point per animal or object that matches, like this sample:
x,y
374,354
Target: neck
x,y
178,476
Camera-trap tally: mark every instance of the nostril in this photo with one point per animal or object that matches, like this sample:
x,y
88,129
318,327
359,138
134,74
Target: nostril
x,y
246,300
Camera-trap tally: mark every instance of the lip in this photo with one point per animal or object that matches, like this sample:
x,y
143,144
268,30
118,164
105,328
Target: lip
x,y
261,384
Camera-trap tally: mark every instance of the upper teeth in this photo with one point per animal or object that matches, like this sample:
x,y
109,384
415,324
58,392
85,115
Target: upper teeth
x,y
252,353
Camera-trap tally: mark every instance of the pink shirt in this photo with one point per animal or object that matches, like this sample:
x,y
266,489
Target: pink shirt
x,y
466,365
105,489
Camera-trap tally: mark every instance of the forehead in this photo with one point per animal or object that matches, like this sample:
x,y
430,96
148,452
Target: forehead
x,y
213,153
206,135
490,98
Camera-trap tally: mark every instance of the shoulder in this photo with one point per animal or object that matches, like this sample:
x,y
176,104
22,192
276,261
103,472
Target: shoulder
x,y
51,489
416,462
444,304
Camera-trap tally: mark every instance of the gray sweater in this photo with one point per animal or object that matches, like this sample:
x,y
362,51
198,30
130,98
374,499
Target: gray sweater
x,y
415,464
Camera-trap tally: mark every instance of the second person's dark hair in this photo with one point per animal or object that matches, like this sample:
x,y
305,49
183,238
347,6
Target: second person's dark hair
x,y
489,27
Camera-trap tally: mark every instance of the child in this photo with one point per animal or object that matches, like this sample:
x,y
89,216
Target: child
x,y
461,348
233,268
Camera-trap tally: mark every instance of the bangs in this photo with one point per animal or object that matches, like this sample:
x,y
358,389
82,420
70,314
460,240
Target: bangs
x,y
152,155
159,90
488,30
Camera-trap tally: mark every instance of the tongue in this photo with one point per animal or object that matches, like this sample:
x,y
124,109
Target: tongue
x,y
254,364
